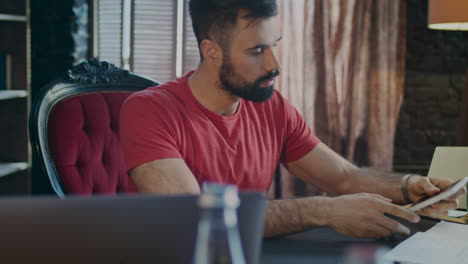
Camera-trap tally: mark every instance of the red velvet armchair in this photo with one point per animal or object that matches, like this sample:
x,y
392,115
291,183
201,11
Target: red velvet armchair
x,y
74,124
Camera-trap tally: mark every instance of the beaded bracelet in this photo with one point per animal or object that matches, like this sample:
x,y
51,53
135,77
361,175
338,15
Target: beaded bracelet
x,y
404,187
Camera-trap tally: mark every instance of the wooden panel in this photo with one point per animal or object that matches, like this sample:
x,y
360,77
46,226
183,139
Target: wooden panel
x,y
14,141
13,7
18,183
13,130
14,43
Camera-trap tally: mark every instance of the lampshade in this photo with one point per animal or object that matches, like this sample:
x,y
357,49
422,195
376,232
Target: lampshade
x,y
448,14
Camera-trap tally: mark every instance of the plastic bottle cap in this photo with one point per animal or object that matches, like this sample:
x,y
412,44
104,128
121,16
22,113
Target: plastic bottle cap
x,y
220,196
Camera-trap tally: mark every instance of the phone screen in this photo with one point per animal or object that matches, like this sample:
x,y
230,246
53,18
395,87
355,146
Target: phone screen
x,y
445,193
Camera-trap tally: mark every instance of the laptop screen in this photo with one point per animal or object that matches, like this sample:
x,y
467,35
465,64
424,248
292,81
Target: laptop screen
x,y
118,229
450,163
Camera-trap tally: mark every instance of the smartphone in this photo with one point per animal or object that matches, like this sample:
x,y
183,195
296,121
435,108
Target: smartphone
x,y
453,190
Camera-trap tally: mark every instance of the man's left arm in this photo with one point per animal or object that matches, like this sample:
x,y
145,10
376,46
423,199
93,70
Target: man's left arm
x,y
334,174
390,184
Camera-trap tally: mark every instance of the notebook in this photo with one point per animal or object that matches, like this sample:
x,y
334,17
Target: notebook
x,y
119,229
450,163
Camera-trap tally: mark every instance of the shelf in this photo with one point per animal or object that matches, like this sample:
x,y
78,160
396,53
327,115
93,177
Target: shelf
x,y
12,94
9,168
12,18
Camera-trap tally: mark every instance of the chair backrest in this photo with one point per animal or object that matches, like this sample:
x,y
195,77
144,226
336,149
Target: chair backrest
x,y
74,125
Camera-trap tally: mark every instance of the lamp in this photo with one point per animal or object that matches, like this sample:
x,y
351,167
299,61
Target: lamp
x,y
453,15
448,14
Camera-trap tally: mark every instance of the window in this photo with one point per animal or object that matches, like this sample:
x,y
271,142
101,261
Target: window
x,y
153,38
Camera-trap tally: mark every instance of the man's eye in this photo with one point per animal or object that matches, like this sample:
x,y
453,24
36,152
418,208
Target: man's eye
x,y
257,51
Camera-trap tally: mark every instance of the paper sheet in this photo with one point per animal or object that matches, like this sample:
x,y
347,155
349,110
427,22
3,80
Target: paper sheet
x,y
456,213
443,243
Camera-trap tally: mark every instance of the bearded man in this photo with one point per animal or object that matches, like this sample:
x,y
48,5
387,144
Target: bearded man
x,y
224,122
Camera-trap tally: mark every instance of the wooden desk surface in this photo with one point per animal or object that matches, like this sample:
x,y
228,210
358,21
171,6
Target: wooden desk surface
x,y
325,246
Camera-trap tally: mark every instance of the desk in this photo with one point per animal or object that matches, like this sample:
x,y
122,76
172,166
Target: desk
x,y
324,245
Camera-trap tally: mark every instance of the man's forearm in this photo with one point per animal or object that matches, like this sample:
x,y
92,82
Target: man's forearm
x,y
295,215
377,181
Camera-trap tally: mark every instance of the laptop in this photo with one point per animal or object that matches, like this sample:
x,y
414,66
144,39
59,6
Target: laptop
x,y
118,229
450,163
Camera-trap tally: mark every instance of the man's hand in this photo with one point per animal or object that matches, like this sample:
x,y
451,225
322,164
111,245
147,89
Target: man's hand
x,y
362,215
419,186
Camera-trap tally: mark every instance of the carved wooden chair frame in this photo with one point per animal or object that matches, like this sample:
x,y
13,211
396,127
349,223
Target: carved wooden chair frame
x,y
88,77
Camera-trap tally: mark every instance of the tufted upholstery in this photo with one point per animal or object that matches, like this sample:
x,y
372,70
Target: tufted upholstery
x,y
74,126
84,143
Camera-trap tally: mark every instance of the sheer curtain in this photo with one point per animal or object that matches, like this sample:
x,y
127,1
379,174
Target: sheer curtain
x,y
343,68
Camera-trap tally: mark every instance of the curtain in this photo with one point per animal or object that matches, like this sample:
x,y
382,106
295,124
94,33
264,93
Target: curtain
x,y
343,69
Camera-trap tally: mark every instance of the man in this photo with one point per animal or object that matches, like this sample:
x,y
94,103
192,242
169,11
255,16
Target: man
x,y
224,122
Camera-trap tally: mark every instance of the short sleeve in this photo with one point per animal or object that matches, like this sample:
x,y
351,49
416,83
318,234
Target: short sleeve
x,y
299,139
146,131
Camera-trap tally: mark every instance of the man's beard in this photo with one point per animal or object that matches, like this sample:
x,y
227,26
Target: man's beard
x,y
239,87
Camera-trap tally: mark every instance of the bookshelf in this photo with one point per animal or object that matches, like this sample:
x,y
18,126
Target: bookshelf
x,y
12,18
12,94
12,167
15,157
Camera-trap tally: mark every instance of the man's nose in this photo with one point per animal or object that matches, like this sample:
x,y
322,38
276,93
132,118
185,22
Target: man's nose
x,y
271,62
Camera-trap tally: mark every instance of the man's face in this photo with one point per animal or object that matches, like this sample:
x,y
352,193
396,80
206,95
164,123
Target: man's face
x,y
249,63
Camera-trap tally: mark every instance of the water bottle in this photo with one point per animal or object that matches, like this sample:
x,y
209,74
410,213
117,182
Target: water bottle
x,y
218,240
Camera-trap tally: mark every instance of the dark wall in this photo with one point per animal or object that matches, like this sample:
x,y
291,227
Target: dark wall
x,y
51,41
52,49
436,63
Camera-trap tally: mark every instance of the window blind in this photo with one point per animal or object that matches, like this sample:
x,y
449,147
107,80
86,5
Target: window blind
x,y
110,31
191,56
153,34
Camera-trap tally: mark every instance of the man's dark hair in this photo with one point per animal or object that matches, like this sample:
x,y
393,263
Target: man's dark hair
x,y
213,19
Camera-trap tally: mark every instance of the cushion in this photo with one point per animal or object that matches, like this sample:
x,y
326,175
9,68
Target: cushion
x,y
84,144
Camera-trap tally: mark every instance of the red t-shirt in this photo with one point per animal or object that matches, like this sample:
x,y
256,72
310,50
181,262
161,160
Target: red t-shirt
x,y
167,121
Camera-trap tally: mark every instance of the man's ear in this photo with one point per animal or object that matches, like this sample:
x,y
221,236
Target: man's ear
x,y
211,52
